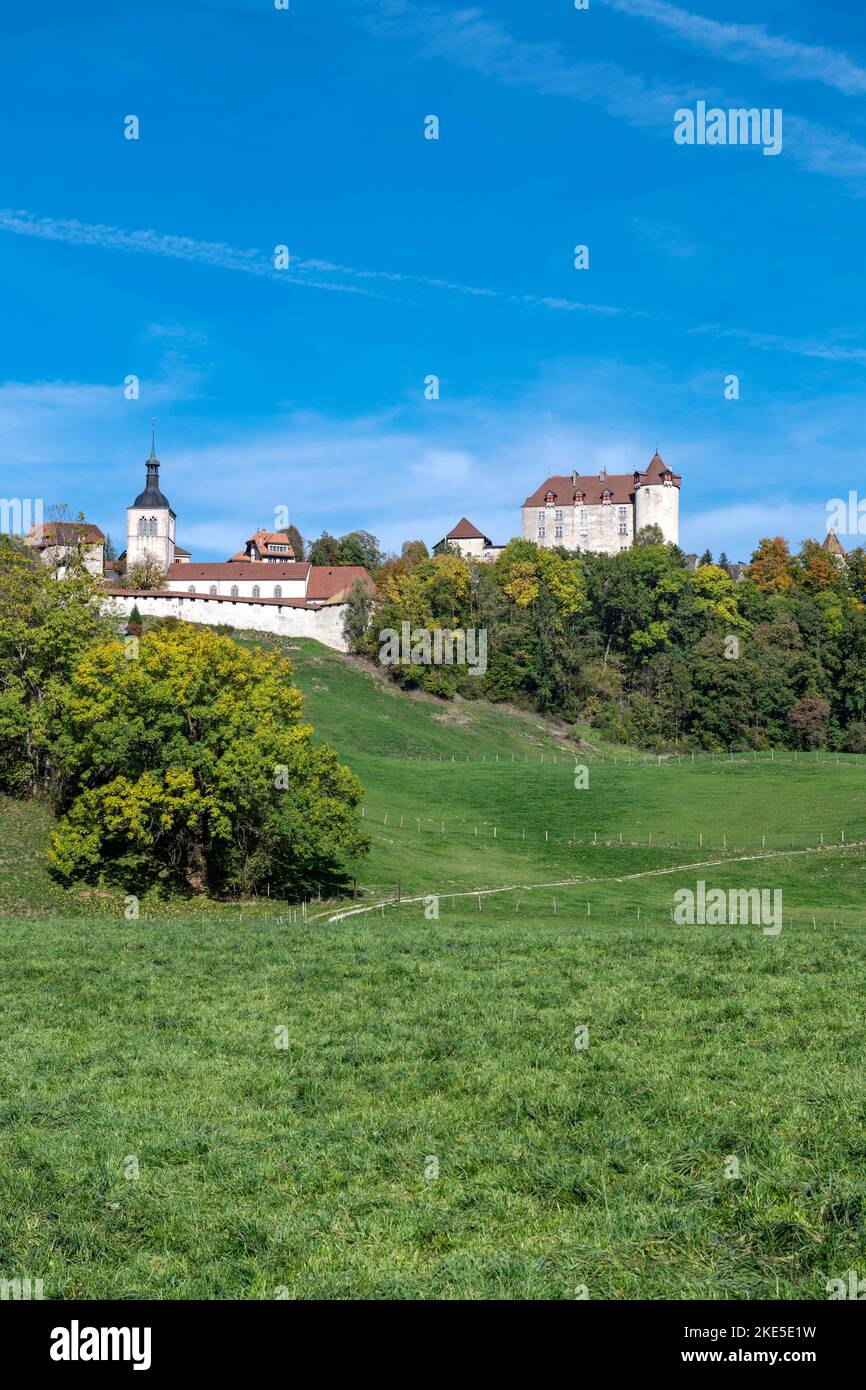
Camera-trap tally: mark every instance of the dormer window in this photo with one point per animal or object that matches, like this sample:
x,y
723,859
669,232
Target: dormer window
x,y
667,478
579,498
606,497
549,498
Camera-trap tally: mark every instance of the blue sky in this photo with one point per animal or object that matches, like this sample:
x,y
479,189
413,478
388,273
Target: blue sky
x,y
305,388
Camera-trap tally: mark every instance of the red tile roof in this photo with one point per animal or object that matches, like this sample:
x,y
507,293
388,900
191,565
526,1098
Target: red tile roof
x,y
620,485
332,582
465,531
66,533
233,569
265,540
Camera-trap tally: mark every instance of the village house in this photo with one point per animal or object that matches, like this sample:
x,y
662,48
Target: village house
x,y
56,542
271,547
469,542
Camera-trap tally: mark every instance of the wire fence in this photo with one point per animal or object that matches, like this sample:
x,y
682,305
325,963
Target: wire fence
x,y
584,754
538,900
531,837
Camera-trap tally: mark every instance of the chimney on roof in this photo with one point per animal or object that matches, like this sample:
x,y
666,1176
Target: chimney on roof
x,y
602,474
574,477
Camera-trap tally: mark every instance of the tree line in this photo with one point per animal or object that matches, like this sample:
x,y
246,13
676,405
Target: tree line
x,y
641,646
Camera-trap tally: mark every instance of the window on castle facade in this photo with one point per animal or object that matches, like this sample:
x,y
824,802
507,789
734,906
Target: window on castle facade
x,y
558,514
540,515
623,528
541,533
278,591
257,593
622,513
212,590
558,532
235,591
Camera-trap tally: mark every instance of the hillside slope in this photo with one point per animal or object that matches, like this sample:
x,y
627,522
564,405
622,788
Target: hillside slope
x,y
455,773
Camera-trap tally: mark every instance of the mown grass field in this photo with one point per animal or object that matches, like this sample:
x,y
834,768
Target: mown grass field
x,y
284,1085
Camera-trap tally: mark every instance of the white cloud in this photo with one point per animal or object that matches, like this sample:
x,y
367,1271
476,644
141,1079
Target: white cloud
x,y
752,43
301,273
470,39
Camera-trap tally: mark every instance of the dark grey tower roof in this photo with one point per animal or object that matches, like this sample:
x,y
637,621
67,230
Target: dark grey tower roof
x,y
152,497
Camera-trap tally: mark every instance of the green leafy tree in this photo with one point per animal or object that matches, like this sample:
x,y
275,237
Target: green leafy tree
x,y
325,550
296,541
360,548
191,764
413,551
359,605
46,625
146,574
650,535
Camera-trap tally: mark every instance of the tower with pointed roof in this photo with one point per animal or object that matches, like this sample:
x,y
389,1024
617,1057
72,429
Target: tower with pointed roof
x,y
150,521
657,500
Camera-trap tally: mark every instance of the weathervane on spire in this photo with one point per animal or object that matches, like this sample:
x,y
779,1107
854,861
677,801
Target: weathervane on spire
x,y
153,437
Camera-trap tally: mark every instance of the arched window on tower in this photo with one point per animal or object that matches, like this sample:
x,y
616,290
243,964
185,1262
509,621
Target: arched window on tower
x,y
142,526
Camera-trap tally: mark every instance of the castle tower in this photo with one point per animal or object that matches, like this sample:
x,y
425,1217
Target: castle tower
x,y
150,521
657,500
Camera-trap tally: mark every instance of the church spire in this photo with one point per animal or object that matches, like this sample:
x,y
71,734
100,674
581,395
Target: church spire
x,y
152,496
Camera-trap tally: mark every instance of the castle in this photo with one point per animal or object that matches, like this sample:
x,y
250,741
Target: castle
x,y
600,512
604,512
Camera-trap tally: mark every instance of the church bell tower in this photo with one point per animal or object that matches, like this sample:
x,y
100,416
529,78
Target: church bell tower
x,y
150,521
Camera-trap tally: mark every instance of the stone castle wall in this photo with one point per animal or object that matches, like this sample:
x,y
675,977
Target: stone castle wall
x,y
324,623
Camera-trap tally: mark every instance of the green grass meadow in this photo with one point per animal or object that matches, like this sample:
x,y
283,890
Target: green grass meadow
x,y
255,1100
